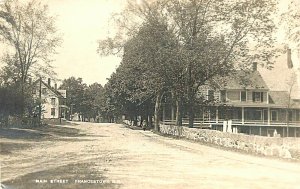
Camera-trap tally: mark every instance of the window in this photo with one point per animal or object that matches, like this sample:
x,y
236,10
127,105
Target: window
x,y
257,115
53,101
53,111
44,90
210,95
257,96
223,96
290,116
274,115
298,115
243,96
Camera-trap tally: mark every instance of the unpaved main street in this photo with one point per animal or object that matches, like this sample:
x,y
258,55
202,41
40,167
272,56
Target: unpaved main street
x,y
90,155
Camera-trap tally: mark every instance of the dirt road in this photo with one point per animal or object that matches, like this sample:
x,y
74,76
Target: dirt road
x,y
90,155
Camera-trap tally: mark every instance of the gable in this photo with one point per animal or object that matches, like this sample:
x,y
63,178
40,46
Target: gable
x,y
278,78
46,90
240,80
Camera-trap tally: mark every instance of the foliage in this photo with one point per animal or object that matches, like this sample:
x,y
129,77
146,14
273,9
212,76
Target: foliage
x,y
290,21
177,46
83,99
31,32
28,31
75,91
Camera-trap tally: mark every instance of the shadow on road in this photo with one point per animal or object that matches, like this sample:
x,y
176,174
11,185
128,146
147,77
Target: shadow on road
x,y
8,147
65,177
39,133
15,139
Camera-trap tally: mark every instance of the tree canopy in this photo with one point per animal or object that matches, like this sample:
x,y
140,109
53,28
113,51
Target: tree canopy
x,y
28,32
176,46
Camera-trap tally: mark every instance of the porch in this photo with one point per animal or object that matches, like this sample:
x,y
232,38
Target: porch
x,y
249,120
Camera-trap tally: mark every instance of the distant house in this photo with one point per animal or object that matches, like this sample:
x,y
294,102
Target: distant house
x,y
53,101
244,103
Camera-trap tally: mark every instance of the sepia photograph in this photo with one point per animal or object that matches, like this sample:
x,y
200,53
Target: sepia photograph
x,y
149,94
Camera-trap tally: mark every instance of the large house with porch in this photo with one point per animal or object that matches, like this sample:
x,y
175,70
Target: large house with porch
x,y
251,107
246,102
53,101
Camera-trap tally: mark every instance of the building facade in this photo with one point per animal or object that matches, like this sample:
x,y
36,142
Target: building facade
x,y
256,102
53,101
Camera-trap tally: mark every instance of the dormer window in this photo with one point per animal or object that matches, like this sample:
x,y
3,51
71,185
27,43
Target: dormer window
x,y
257,96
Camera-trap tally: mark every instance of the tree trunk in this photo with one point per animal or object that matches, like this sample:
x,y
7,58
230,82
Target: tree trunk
x,y
142,120
135,121
173,105
191,109
191,115
190,97
150,122
179,111
157,111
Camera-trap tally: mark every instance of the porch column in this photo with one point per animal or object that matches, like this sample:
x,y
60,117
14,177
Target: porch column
x,y
259,131
217,115
269,116
243,115
172,112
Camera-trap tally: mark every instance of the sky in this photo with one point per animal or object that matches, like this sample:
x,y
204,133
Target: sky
x,y
82,23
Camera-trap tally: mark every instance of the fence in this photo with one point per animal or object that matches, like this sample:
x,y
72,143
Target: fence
x,y
268,146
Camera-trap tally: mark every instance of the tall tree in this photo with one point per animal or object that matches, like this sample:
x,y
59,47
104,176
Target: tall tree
x,y
212,39
290,22
75,91
29,31
216,36
92,101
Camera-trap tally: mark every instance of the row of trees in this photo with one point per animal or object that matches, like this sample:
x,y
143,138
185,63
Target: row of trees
x,y
86,100
177,46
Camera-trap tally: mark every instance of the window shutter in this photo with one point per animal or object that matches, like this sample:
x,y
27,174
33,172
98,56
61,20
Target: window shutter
x,y
262,96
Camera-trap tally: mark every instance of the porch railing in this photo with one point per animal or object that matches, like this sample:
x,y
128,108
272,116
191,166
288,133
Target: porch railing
x,y
198,122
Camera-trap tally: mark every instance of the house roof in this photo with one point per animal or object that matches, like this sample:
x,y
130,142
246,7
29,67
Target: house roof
x,y
281,98
49,87
278,78
241,79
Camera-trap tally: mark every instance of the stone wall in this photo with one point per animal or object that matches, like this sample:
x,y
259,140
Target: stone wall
x,y
268,146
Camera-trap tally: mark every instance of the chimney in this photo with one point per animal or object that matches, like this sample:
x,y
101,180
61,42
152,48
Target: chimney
x,y
49,81
55,86
289,58
254,66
